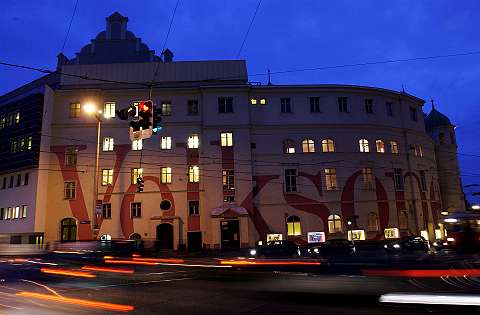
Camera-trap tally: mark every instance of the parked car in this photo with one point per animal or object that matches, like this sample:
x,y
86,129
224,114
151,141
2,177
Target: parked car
x,y
407,244
334,247
283,248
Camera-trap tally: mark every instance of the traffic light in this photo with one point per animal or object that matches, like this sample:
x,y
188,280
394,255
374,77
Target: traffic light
x,y
125,113
157,121
145,114
139,184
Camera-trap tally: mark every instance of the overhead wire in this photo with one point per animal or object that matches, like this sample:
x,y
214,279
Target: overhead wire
x,y
69,26
249,27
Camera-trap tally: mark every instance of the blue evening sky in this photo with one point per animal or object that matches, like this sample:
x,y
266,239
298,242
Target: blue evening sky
x,y
285,35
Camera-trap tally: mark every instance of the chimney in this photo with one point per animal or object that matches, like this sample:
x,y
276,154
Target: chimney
x,y
61,60
167,55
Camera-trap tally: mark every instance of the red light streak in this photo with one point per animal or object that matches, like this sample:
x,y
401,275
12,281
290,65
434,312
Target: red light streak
x,y
108,269
419,273
80,302
65,272
162,260
269,263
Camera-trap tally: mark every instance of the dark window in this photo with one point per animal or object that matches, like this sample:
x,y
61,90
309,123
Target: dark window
x,y
398,178
253,145
192,107
25,179
107,210
389,107
413,114
10,185
369,106
441,137
452,138
423,180
4,183
69,190
193,207
71,156
343,104
228,179
136,209
225,105
285,106
2,213
290,180
19,180
315,104
228,198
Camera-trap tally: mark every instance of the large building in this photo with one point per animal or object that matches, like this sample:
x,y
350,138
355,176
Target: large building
x,y
237,162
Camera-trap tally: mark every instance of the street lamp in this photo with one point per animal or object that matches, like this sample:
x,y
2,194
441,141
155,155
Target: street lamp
x,y
476,207
92,109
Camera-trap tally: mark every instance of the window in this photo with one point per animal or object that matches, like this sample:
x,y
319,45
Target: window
x,y
4,183
315,104
369,106
290,180
23,212
288,146
418,150
225,105
380,146
228,179
403,220
10,185
166,175
328,145
293,226
389,108
165,108
372,223
334,224
19,180
285,105
17,118
14,146
137,145
69,190
2,123
398,179
136,209
71,156
226,139
25,179
74,110
263,101
2,213
229,198
107,210
441,137
331,178
107,177
253,101
166,143
367,175
193,142
10,213
193,174
135,104
394,147
192,107
135,174
343,105
308,146
423,180
193,207
109,110
29,142
364,147
107,144
413,114
16,213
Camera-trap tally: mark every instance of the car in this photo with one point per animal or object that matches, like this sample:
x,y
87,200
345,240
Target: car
x,y
280,248
407,244
334,247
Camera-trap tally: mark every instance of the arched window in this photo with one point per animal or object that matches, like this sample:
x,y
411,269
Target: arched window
x,y
372,221
288,146
308,146
328,145
68,232
364,147
334,224
293,226
380,146
403,220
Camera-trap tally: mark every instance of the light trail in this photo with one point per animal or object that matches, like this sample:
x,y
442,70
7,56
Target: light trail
x,y
430,298
64,272
131,262
269,263
108,269
420,273
43,286
161,260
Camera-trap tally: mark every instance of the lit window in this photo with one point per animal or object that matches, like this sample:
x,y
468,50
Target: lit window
x,y
166,143
293,226
228,179
69,190
263,101
137,145
107,177
364,147
394,147
136,209
193,142
107,210
334,224
356,235
107,144
193,174
418,150
391,233
308,146
290,180
367,175
253,101
16,213
109,110
226,139
225,105
403,220
331,178
193,207
23,213
74,110
17,118
229,198
3,122
288,146
166,175
380,146
328,145
10,213
135,174
166,108
29,142
14,146
372,221
71,156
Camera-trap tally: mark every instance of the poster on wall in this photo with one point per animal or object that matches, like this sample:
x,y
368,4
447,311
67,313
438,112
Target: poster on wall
x,y
274,237
316,237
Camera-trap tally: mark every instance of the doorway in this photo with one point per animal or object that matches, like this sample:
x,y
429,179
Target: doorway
x,y
68,230
230,234
194,241
164,236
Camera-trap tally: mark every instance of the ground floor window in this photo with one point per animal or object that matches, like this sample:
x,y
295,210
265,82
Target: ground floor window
x,y
68,230
334,224
293,226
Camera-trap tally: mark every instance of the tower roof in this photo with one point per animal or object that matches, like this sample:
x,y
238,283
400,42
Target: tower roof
x,y
436,119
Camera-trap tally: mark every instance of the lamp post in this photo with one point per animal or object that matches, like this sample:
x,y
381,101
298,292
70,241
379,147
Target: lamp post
x,y
92,109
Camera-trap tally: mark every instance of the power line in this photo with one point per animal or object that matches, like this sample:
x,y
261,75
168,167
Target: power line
x,y
249,27
69,26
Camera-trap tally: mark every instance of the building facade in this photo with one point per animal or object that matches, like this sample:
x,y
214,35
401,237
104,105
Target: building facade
x,y
233,164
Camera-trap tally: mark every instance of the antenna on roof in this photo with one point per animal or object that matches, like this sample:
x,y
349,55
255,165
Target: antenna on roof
x,y
403,88
433,105
269,81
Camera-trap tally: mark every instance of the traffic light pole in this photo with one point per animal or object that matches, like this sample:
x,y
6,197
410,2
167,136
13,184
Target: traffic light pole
x,y
95,180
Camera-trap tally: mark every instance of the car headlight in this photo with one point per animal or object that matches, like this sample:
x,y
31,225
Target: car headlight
x,y
450,239
315,250
396,246
253,252
435,244
309,251
385,246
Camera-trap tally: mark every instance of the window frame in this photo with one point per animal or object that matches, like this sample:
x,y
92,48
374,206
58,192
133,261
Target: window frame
x,y
398,182
107,179
193,207
315,104
165,108
226,139
137,145
328,145
309,145
288,146
106,211
380,146
193,174
75,110
394,149
228,179
108,144
134,174
166,175
193,141
331,183
285,105
364,145
343,104
109,110
166,143
225,105
192,107
334,223
294,225
369,105
290,180
135,208
72,190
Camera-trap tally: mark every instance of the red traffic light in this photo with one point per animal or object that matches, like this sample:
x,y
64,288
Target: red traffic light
x,y
145,106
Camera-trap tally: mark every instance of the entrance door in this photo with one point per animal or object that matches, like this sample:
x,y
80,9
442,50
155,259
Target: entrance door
x,y
68,230
164,236
194,241
230,233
